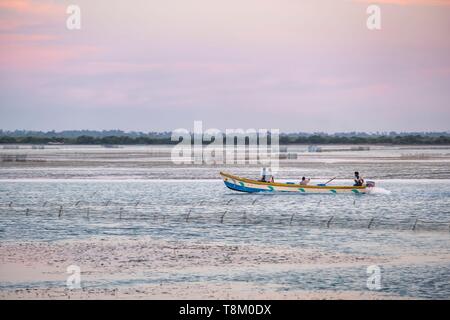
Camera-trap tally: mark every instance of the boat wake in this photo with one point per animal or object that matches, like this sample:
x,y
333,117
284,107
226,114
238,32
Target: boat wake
x,y
378,190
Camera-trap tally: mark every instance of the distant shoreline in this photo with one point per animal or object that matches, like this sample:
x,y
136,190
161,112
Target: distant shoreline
x,y
283,140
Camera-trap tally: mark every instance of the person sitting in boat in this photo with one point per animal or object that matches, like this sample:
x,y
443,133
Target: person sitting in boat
x,y
359,181
266,175
304,181
263,175
271,180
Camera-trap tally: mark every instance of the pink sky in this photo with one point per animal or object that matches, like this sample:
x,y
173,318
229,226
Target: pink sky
x,y
159,65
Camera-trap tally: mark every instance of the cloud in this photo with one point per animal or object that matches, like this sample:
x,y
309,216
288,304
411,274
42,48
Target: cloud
x,y
33,38
31,7
298,63
18,37
408,2
443,71
30,57
26,16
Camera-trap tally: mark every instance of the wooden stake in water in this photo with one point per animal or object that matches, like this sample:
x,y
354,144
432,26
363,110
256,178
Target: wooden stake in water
x,y
414,226
221,218
187,216
370,223
329,221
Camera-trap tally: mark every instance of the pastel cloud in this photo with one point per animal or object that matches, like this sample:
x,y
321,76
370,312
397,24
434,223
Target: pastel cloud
x,y
408,2
157,65
27,16
31,7
32,39
32,58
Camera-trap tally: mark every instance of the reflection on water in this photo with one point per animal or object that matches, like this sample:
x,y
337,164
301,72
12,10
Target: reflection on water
x,y
76,208
153,162
159,200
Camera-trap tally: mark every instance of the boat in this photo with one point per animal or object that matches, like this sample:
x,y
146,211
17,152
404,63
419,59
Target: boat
x,y
251,186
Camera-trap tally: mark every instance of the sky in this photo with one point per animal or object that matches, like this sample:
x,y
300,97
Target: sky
x,y
156,65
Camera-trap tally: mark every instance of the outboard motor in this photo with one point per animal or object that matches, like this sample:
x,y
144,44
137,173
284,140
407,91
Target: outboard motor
x,y
370,184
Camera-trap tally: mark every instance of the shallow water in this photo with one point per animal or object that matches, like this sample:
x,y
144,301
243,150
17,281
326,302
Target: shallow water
x,y
138,207
403,216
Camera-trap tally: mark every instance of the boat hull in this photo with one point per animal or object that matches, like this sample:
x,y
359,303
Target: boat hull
x,y
252,186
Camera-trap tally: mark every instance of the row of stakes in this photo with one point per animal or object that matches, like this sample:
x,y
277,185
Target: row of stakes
x,y
60,212
244,217
328,222
107,203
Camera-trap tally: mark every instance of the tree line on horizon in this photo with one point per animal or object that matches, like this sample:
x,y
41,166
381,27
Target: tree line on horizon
x,y
167,134
412,139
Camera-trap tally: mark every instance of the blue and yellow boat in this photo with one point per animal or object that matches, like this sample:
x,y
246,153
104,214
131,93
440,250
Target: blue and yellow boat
x,y
248,185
